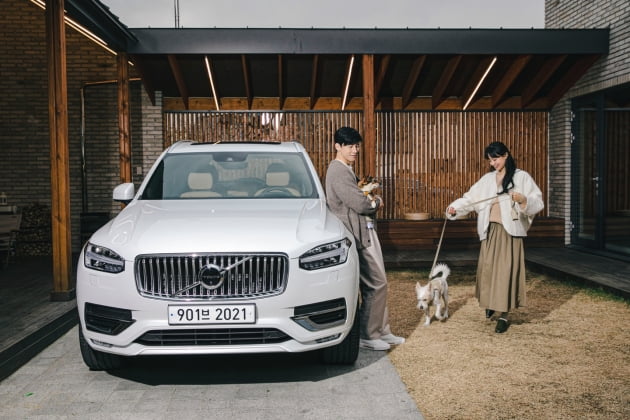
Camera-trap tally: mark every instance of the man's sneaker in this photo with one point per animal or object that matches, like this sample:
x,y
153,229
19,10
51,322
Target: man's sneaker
x,y
392,339
374,344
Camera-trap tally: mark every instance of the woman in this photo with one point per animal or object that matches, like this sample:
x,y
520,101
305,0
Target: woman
x,y
506,200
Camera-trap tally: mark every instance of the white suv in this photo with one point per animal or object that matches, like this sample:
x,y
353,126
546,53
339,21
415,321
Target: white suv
x,y
225,248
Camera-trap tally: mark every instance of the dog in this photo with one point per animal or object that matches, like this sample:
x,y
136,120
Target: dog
x,y
368,184
435,292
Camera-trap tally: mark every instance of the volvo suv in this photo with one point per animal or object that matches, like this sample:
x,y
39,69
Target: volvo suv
x,y
225,248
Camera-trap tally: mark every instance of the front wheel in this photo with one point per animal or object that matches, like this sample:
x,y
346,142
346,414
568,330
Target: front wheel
x,y
98,360
346,352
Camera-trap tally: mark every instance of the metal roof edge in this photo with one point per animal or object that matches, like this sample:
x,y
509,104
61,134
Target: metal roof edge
x,y
97,17
367,41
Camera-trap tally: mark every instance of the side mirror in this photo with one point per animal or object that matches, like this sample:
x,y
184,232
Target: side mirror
x,y
124,192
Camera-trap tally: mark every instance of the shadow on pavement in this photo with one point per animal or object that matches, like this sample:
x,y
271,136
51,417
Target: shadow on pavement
x,y
237,369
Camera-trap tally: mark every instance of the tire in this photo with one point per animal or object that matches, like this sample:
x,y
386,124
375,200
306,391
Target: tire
x,y
98,360
346,352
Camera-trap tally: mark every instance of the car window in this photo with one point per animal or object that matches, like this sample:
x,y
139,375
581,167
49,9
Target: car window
x,y
230,175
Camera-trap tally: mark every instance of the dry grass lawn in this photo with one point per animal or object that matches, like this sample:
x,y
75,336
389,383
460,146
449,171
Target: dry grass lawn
x,y
565,356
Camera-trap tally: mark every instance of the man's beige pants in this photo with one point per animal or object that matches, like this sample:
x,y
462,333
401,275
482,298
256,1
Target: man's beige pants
x,y
373,285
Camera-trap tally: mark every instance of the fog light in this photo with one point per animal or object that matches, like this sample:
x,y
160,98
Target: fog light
x,y
327,339
102,344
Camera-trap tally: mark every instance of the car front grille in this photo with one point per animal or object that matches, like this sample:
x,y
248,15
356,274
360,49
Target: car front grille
x,y
211,276
212,337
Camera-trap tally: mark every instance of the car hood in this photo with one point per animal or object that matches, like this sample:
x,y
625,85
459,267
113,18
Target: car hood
x,y
195,226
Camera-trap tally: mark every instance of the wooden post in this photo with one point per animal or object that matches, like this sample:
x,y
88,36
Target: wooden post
x,y
368,151
59,151
124,130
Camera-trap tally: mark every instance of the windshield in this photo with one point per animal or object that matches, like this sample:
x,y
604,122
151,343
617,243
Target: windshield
x,y
230,175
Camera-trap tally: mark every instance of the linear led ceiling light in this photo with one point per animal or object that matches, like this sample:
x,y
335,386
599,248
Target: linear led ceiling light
x,y
472,95
345,91
79,28
214,92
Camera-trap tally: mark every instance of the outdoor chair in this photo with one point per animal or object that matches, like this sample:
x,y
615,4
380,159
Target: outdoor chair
x,y
9,227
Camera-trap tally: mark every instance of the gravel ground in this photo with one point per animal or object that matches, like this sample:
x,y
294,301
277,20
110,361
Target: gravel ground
x,y
565,355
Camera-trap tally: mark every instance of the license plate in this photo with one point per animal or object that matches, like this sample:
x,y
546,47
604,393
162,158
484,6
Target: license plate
x,y
211,314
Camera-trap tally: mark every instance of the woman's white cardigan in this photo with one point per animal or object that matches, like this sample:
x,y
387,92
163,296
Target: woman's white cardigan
x,y
487,187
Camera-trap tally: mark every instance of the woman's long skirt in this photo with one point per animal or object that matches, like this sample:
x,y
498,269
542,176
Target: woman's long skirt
x,y
501,271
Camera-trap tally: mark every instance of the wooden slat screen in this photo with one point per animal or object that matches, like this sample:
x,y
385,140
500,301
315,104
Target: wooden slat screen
x,y
428,159
314,130
424,159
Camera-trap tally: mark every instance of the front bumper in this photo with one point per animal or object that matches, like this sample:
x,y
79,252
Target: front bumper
x,y
316,310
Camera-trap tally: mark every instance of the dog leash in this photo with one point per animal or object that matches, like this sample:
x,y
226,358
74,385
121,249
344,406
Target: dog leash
x,y
437,252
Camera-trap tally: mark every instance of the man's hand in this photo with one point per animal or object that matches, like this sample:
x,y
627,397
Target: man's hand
x,y
379,201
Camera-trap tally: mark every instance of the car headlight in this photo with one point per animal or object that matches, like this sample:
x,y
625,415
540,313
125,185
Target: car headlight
x,y
327,255
102,259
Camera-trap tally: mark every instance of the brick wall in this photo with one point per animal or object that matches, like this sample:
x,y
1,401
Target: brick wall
x,y
24,139
151,134
25,162
608,71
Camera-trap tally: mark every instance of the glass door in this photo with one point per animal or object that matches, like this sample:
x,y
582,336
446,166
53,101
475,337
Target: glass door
x,y
586,178
601,172
617,210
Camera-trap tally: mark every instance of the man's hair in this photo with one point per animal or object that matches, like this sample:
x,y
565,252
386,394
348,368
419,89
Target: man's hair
x,y
347,135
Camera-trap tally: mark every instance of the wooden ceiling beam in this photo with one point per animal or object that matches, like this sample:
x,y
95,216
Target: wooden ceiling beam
x,y
508,78
314,81
573,75
525,81
445,79
382,71
246,81
412,78
544,73
281,94
179,78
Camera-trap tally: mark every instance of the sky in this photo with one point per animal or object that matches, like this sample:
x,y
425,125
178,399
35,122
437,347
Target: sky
x,y
331,13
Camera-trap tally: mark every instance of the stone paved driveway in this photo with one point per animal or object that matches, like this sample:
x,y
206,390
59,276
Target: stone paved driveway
x,y
57,385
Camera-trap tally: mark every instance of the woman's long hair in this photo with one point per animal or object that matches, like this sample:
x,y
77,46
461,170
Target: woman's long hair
x,y
498,149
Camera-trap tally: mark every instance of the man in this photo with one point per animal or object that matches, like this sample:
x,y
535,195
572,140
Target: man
x,y
355,210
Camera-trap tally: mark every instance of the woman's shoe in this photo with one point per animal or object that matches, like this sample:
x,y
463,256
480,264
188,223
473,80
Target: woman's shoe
x,y
489,313
502,326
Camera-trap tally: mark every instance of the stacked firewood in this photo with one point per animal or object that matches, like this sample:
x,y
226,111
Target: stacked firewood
x,y
34,237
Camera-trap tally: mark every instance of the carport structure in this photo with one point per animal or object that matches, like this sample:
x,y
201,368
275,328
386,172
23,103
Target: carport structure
x,y
410,69
364,70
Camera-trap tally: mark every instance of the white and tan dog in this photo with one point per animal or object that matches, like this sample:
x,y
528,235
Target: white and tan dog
x,y
435,292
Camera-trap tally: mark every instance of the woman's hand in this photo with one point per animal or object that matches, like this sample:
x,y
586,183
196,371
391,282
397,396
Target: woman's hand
x,y
451,211
519,198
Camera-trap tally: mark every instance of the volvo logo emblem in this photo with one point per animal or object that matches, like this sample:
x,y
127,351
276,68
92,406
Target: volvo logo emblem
x,y
211,276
